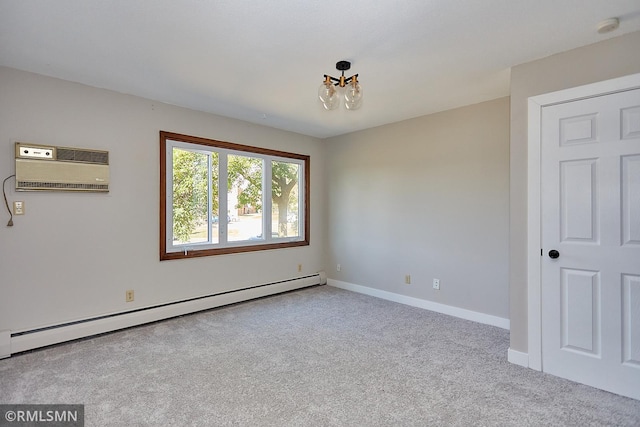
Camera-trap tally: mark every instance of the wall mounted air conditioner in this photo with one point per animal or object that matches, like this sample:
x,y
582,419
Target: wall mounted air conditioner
x,y
40,167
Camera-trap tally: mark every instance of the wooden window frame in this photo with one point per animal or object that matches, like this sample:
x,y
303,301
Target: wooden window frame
x,y
194,251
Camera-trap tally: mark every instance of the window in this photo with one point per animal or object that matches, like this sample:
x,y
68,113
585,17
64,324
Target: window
x,y
220,198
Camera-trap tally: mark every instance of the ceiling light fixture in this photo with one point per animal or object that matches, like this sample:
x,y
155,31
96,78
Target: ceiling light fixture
x,y
332,89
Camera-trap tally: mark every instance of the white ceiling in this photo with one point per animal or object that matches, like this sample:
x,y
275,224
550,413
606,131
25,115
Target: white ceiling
x,y
263,60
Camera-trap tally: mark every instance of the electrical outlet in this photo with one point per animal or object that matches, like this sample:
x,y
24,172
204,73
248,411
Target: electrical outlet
x,y
436,284
299,268
18,208
129,296
338,267
407,279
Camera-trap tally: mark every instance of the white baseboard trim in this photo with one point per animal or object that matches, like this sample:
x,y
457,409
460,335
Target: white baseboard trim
x,y
462,313
518,357
41,337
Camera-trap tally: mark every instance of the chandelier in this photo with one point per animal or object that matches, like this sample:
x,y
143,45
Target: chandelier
x,y
332,89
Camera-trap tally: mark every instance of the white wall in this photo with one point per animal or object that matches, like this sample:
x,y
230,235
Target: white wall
x,y
612,58
426,197
73,255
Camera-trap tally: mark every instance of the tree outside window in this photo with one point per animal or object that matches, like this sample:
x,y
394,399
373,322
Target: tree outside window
x,y
194,173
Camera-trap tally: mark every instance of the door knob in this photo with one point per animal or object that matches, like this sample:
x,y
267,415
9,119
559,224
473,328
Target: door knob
x,y
553,254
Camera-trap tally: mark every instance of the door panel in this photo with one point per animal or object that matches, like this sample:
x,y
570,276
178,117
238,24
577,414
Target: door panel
x,y
578,200
631,319
631,200
578,130
630,119
580,311
590,190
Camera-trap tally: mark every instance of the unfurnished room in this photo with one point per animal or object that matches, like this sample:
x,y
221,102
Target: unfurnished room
x,y
302,213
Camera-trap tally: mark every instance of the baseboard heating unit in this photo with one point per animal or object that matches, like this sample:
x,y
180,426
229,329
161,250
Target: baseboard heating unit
x,y
20,341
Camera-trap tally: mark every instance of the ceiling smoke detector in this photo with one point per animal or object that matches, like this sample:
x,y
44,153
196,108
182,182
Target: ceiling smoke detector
x,y
608,25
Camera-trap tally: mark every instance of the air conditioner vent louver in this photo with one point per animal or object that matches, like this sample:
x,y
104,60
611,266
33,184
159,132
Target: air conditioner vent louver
x,y
62,186
49,168
85,156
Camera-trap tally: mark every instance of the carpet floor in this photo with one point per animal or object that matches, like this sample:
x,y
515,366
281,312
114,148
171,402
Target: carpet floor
x,y
314,357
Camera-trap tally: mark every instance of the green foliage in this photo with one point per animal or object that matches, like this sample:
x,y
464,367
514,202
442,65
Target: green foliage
x,y
245,173
284,177
190,192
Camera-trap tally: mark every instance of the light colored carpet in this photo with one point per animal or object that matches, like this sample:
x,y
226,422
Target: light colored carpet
x,y
314,357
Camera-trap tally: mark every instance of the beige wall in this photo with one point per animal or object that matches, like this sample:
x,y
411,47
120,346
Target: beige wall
x,y
73,255
606,60
426,197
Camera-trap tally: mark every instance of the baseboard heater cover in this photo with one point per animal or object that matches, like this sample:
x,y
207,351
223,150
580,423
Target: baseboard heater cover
x,y
5,344
55,334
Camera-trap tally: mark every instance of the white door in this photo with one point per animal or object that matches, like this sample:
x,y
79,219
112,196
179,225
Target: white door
x,y
590,157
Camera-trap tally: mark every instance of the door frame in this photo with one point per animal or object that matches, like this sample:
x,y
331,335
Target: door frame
x,y
534,205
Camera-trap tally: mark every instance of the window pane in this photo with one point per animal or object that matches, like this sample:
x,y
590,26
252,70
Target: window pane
x,y
244,199
215,218
196,211
285,199
190,196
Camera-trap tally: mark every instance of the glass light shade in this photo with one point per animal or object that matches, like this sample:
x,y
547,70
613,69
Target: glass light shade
x,y
329,96
353,95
